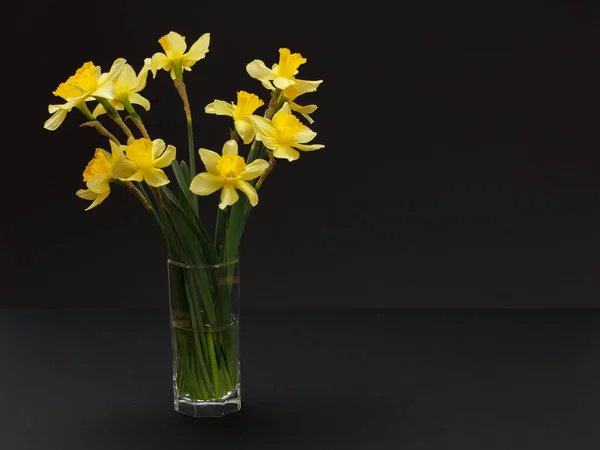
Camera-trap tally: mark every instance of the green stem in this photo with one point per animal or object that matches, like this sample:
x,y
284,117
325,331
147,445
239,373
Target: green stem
x,y
135,117
114,115
85,111
181,89
221,226
191,152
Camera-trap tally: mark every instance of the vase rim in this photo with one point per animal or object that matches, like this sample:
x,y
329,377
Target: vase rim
x,y
202,266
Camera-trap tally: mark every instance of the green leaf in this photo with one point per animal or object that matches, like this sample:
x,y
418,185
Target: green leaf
x,y
193,221
185,171
184,188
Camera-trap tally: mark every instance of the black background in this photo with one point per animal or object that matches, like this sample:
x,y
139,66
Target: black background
x,y
461,166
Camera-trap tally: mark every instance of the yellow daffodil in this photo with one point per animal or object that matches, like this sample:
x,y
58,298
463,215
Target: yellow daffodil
x,y
284,134
246,105
88,83
228,172
143,161
97,176
175,59
126,89
281,75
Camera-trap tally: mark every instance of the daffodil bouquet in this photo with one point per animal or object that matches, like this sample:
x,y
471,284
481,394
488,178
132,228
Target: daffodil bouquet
x,y
202,267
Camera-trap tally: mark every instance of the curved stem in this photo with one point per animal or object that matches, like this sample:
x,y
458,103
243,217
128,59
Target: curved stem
x,y
263,177
98,126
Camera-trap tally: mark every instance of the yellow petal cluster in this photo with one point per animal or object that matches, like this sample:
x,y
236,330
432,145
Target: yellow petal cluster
x,y
87,83
126,89
283,76
246,105
142,160
97,176
284,134
228,172
175,59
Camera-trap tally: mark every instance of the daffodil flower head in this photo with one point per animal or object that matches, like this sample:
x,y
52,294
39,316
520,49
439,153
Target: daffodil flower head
x,y
97,176
87,83
126,89
284,134
246,105
228,172
142,160
175,59
282,75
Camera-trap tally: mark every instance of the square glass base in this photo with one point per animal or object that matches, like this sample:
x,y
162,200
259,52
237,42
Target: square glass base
x,y
209,409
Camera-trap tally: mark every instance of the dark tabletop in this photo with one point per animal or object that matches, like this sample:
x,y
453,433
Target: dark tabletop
x,y
311,379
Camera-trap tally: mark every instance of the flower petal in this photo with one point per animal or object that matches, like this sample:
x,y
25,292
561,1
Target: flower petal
x,y
304,110
55,120
228,196
269,142
89,195
176,44
230,147
116,68
210,160
97,201
123,167
100,184
257,69
308,147
286,152
137,176
285,109
107,155
105,90
247,189
166,158
155,177
304,86
140,81
116,151
197,51
306,135
137,99
245,130
159,61
158,146
127,79
262,126
86,194
220,108
98,110
283,83
268,85
255,169
53,108
206,183
307,109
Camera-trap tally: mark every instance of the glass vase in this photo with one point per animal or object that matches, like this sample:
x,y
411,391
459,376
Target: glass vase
x,y
205,324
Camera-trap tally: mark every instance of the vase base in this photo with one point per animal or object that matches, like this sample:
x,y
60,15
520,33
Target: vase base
x,y
209,409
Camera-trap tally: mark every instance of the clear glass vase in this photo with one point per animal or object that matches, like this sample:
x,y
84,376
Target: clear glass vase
x,y
205,323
